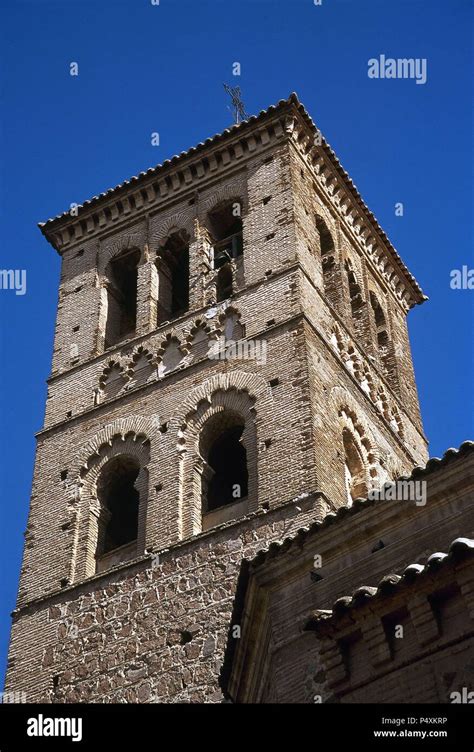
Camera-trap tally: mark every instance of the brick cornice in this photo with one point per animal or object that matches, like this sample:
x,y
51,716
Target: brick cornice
x,y
289,121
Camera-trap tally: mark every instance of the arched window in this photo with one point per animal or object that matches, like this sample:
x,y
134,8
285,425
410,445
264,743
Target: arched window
x,y
122,277
225,475
119,504
224,287
380,328
326,243
225,226
173,277
327,252
355,293
354,468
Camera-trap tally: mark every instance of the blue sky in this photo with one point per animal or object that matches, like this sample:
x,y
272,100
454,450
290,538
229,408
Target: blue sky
x,y
146,68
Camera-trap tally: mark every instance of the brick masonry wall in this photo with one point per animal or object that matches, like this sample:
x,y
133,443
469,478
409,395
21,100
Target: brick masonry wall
x,y
118,636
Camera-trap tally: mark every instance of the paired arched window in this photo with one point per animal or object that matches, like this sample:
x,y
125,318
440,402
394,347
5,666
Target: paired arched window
x,y
173,277
122,278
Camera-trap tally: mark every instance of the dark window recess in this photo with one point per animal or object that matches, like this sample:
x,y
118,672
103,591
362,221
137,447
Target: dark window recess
x,y
266,200
274,382
325,238
271,322
173,273
63,474
75,328
227,461
122,297
380,324
226,231
270,236
119,501
224,287
355,293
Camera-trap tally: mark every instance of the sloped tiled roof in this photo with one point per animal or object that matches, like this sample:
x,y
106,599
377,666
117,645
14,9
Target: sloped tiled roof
x,y
433,464
460,548
276,549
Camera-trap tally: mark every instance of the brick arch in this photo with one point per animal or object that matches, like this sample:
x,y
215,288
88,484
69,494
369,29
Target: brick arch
x,y
322,211
123,444
115,246
347,261
256,387
349,416
139,351
111,365
142,428
225,194
237,393
199,324
221,407
183,220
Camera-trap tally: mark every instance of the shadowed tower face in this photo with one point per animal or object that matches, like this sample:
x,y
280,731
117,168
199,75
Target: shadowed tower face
x,y
154,449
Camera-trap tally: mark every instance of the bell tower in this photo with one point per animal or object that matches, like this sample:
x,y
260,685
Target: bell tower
x,y
231,362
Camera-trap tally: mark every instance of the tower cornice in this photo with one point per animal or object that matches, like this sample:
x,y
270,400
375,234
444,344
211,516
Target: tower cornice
x,y
286,120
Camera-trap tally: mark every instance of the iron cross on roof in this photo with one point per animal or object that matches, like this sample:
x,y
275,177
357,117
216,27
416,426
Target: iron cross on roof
x,y
237,104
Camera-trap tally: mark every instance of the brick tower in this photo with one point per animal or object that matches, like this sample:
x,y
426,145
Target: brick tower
x,y
168,454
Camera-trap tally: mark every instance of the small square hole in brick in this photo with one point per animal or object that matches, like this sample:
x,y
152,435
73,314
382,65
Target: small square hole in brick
x,y
75,328
69,414
163,427
271,322
159,487
80,253
270,236
63,474
266,200
274,382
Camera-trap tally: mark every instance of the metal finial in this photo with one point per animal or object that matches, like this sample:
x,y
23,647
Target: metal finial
x,y
237,104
